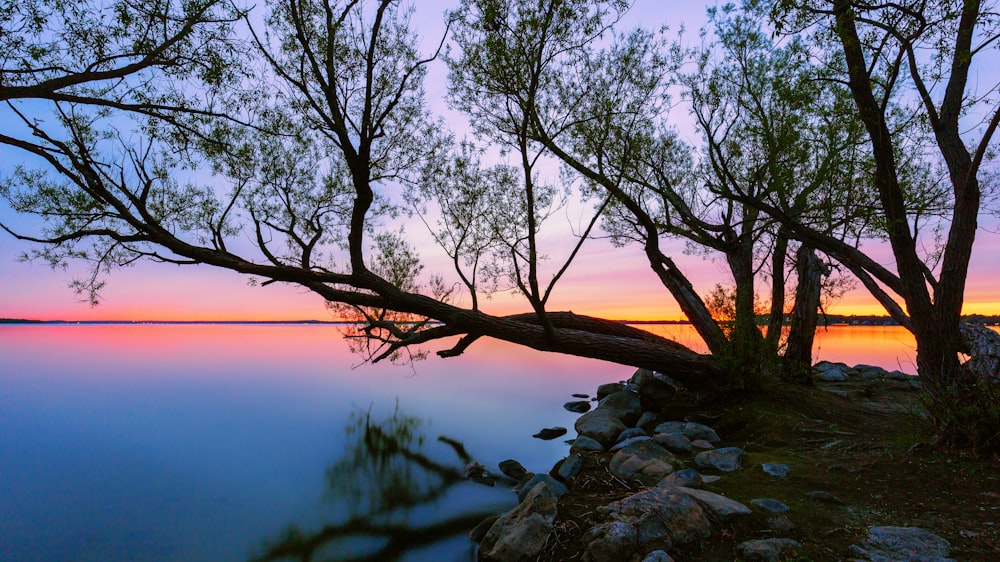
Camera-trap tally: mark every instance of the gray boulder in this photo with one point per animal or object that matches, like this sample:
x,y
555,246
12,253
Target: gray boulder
x,y
644,461
577,406
692,430
654,388
770,504
778,470
608,389
765,549
831,372
616,540
624,405
550,433
658,556
676,441
513,469
552,487
720,507
902,544
622,443
726,459
631,432
585,444
569,467
688,478
645,419
661,514
601,425
520,534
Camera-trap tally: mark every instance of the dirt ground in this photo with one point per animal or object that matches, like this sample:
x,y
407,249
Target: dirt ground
x,y
867,449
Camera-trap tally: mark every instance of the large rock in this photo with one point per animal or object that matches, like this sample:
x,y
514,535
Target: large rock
x,y
832,372
584,444
608,389
726,459
768,550
692,430
676,442
654,388
610,541
720,507
520,534
658,556
688,478
661,514
644,461
552,487
577,406
569,467
600,425
624,405
902,544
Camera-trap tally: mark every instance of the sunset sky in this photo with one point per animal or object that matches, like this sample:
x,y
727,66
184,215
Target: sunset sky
x,y
605,281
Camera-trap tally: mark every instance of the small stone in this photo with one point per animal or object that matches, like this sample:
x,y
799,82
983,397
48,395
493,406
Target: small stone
x,y
688,478
645,419
550,433
780,523
676,442
709,478
626,442
658,556
553,488
726,459
608,389
578,406
888,544
775,469
631,432
513,469
586,444
825,497
570,467
584,396
770,504
768,550
702,444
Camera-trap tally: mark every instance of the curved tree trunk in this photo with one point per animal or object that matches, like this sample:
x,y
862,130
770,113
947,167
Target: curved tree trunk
x,y
805,314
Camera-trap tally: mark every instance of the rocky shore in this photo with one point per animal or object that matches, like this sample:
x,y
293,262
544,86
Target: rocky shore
x,y
645,474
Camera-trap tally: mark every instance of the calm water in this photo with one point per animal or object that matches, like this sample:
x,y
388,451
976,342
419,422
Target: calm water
x,y
204,442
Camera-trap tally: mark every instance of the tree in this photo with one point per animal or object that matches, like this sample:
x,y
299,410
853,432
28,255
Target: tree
x,y
931,48
309,163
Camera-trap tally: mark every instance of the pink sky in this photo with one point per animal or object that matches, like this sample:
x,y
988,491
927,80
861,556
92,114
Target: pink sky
x,y
606,281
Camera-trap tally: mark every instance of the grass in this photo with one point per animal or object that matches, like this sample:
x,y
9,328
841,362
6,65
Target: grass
x,y
860,449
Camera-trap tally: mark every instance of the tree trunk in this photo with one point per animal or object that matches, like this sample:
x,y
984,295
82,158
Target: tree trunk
x,y
805,314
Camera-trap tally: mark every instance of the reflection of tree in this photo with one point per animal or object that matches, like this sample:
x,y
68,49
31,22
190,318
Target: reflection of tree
x,y
382,480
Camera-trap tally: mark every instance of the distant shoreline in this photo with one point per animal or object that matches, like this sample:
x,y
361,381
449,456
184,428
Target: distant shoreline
x,y
832,320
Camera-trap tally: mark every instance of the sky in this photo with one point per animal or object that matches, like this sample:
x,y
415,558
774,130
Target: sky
x,y
605,281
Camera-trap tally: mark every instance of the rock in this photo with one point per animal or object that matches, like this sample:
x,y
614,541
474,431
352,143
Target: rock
x,y
661,514
550,433
631,432
676,442
780,523
653,388
702,444
585,396
479,531
601,425
624,405
584,443
831,372
626,442
552,486
608,389
645,419
570,467
764,549
692,430
726,459
825,497
520,534
902,544
578,406
770,504
688,478
719,506
709,478
644,461
775,469
476,472
616,540
898,376
870,372
513,469
658,556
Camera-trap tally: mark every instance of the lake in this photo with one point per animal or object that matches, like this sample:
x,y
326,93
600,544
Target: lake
x,y
239,442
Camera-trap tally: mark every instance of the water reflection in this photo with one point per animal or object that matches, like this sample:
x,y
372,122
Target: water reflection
x,y
392,494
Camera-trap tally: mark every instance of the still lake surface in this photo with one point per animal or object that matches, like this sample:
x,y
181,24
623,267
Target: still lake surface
x,y
220,442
